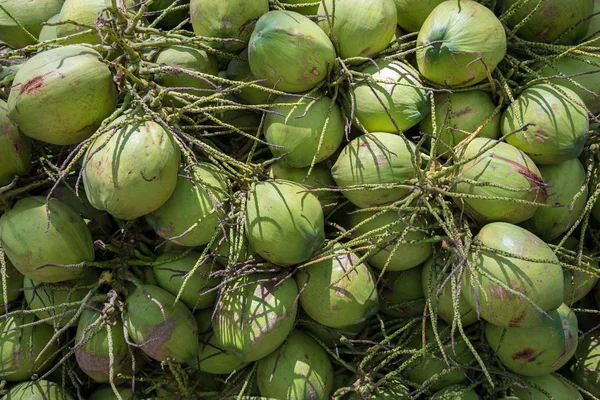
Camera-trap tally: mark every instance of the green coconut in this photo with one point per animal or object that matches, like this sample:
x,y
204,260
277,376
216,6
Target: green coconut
x,y
289,51
99,222
455,392
541,387
233,20
284,223
585,371
504,165
61,96
172,18
437,288
31,240
214,360
413,13
228,255
171,271
459,114
190,217
538,350
401,294
93,342
559,127
565,181
299,370
196,61
107,393
330,337
540,280
163,329
593,31
300,6
204,320
384,231
297,133
50,301
338,291
14,287
15,148
390,98
30,14
373,159
579,282
239,70
361,28
133,172
38,390
20,346
460,43
550,21
49,32
255,315
319,178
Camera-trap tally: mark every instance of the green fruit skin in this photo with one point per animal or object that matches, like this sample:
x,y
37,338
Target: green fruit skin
x,y
504,165
550,384
198,198
61,96
561,125
174,336
253,318
93,356
14,286
541,282
473,43
413,13
362,28
338,291
551,20
564,181
40,390
299,128
319,178
239,70
431,282
585,371
304,10
15,148
290,51
593,29
49,32
225,256
284,225
538,350
461,111
190,59
579,283
134,173
170,275
455,392
395,84
30,15
204,320
233,19
405,256
99,222
214,360
19,347
300,370
331,337
401,294
173,18
375,158
107,393
30,242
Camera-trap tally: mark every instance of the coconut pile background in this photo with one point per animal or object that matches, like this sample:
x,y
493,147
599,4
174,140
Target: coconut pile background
x,y
348,199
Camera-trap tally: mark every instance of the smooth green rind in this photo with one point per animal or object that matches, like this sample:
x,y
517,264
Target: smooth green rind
x,y
338,291
284,224
564,181
503,165
49,32
31,240
296,130
239,70
171,274
401,294
331,337
19,347
214,360
15,148
254,317
413,13
460,42
560,125
167,334
585,371
30,14
173,18
299,370
538,350
134,173
541,281
232,19
61,96
38,390
319,178
290,51
194,201
14,286
557,388
361,28
390,87
371,159
406,255
455,392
